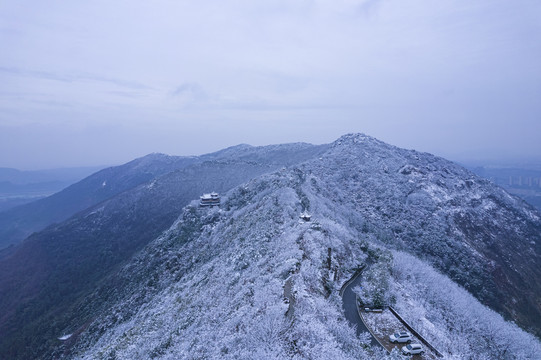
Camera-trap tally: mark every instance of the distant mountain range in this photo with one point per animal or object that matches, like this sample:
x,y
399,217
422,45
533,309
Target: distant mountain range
x,y
62,175
17,223
133,268
21,187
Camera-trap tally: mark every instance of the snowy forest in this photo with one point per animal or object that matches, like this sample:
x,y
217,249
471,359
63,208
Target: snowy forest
x,y
252,279
212,286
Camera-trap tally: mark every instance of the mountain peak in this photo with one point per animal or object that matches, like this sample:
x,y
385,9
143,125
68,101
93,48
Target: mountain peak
x,y
355,141
155,156
353,138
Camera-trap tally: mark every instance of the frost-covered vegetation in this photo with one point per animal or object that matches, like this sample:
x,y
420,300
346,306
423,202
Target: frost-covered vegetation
x,y
484,239
44,281
374,292
251,280
452,319
218,286
212,286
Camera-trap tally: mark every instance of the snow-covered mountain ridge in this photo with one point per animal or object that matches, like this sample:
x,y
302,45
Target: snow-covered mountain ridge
x,y
43,279
472,230
212,285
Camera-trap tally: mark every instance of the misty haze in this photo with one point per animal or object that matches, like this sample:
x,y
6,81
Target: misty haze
x,y
313,179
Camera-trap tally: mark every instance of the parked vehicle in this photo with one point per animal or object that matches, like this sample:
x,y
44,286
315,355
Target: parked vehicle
x,y
400,337
412,349
367,309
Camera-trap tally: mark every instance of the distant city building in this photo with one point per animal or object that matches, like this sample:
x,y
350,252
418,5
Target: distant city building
x,y
212,199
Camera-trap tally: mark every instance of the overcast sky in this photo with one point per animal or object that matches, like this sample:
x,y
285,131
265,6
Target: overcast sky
x,y
102,82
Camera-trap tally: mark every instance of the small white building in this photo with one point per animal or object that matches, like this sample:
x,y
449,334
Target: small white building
x,y
212,199
305,216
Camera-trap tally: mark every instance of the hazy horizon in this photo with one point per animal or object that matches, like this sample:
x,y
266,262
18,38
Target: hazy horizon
x,y
88,84
470,161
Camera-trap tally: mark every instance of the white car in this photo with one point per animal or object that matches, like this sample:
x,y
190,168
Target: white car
x,y
412,349
400,337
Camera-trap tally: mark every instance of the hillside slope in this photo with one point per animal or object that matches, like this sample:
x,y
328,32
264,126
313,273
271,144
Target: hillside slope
x,y
212,286
53,269
19,222
480,236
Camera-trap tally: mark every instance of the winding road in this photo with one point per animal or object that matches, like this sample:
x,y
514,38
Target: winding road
x,y
349,303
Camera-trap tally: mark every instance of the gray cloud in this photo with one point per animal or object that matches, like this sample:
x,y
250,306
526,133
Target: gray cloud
x,y
70,78
192,92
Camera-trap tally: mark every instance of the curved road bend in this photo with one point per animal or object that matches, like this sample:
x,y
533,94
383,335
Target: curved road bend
x,y
349,303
